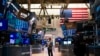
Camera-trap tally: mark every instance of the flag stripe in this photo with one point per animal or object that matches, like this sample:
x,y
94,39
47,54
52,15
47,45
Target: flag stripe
x,y
79,8
81,13
79,16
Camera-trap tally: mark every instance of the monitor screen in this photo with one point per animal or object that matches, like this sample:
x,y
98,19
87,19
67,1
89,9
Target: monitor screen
x,y
13,35
58,39
3,24
71,32
24,35
12,41
44,42
35,36
66,42
26,41
38,36
69,42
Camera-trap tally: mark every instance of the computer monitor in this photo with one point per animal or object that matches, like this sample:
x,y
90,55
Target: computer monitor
x,y
35,36
43,42
58,39
26,41
71,32
12,41
69,42
13,35
66,42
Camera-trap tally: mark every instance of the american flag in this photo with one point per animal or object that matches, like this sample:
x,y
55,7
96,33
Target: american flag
x,y
75,14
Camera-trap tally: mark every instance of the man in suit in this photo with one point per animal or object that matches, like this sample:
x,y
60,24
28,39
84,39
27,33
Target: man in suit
x,y
50,46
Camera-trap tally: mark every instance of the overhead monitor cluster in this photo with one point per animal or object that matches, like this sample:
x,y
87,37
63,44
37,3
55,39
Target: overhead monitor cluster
x,y
16,23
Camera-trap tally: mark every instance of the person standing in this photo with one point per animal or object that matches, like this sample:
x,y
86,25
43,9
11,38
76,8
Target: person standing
x,y
50,46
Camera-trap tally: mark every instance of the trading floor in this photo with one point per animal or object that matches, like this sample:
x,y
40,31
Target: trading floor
x,y
55,53
34,28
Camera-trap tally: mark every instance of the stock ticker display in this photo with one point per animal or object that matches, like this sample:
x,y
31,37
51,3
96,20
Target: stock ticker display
x,y
13,37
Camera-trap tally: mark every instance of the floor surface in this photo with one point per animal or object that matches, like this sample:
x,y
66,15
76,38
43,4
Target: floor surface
x,y
45,53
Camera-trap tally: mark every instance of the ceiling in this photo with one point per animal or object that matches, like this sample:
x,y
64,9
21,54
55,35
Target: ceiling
x,y
50,1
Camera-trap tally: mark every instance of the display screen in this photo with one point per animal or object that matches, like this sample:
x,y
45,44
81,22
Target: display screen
x,y
66,42
12,41
58,39
38,36
26,41
65,32
13,35
71,32
44,42
34,36
24,35
3,24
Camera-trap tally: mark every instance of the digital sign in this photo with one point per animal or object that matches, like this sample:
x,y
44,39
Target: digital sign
x,y
13,35
3,24
12,41
26,41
